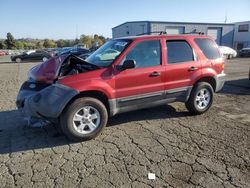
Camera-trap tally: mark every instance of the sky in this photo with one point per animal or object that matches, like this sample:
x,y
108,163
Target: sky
x,y
67,19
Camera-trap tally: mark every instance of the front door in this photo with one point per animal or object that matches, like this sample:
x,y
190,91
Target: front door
x,y
144,83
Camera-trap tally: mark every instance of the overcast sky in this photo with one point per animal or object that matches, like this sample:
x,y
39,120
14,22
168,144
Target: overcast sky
x,y
66,19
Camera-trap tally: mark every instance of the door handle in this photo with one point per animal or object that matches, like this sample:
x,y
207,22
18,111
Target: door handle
x,y
192,69
155,74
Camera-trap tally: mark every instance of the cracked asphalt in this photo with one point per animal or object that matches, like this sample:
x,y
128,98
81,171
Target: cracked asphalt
x,y
209,150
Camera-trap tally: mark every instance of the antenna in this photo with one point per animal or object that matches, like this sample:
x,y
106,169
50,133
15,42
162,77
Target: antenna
x,y
225,21
76,31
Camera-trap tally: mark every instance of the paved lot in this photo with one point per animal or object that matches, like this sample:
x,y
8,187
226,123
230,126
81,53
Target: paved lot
x,y
210,150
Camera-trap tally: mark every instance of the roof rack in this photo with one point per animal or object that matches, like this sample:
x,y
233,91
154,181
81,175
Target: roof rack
x,y
165,33
160,33
194,32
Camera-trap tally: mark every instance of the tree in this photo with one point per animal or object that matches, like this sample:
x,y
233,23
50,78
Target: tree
x,y
60,43
29,45
103,39
49,43
10,41
87,40
68,43
19,45
2,45
39,45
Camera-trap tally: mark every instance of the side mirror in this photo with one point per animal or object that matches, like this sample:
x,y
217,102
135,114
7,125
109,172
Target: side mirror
x,y
127,64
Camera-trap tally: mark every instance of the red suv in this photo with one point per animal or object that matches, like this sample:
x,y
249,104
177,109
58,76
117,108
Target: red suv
x,y
124,74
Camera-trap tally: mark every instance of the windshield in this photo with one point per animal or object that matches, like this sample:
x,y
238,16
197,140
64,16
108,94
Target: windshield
x,y
108,53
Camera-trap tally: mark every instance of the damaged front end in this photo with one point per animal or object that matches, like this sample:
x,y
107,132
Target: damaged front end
x,y
41,97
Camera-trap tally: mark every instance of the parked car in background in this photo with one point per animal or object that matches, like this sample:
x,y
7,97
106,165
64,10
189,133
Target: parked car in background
x,y
245,52
249,74
31,55
227,52
2,53
51,51
123,75
74,51
85,56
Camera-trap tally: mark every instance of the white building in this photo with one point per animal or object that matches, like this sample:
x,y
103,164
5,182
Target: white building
x,y
236,35
241,35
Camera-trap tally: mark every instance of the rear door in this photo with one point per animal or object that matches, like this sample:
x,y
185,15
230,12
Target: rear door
x,y
144,83
181,69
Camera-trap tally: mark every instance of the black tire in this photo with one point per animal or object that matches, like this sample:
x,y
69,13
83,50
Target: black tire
x,y
66,118
192,105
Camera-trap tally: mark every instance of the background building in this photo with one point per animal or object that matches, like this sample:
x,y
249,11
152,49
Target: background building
x,y
224,34
241,35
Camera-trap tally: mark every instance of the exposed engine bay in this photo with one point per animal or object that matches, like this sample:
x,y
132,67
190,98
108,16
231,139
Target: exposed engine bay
x,y
74,65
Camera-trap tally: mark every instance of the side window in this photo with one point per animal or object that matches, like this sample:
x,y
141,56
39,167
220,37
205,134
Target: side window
x,y
208,47
179,51
145,54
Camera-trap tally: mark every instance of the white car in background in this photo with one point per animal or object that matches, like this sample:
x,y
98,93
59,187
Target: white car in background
x,y
227,52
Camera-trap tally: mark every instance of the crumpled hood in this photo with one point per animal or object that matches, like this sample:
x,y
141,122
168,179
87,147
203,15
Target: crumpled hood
x,y
47,71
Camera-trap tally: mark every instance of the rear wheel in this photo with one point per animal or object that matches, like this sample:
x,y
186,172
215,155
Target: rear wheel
x,y
230,56
201,98
84,119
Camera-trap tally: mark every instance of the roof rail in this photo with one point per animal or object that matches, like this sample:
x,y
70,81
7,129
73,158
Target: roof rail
x,y
195,32
160,33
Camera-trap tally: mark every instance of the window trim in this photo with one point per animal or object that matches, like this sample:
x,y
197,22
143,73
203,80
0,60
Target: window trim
x,y
195,57
141,41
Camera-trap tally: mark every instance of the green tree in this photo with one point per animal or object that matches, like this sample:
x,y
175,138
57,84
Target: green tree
x,y
60,43
87,40
39,45
2,45
19,45
10,41
76,41
103,39
68,43
29,45
49,43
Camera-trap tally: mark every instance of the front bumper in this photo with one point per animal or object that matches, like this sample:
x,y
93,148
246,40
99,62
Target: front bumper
x,y
220,81
27,89
44,103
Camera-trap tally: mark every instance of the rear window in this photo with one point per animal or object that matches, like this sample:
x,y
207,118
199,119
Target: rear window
x,y
208,47
179,51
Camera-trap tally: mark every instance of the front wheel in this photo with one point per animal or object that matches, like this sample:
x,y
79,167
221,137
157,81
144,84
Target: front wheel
x,y
200,99
84,119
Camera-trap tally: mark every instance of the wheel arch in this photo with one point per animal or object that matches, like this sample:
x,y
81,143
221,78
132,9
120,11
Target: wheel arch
x,y
209,79
94,94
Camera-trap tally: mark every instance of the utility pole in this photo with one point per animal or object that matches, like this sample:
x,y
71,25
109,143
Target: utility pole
x,y
76,31
225,21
